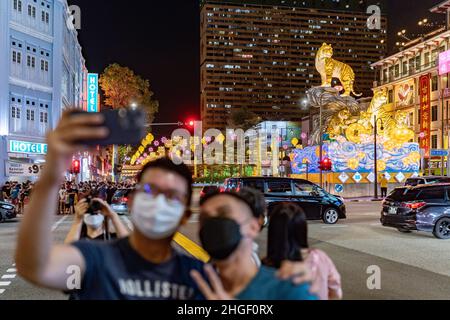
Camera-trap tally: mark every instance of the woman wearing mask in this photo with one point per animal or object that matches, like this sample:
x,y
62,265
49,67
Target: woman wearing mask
x,y
288,240
95,226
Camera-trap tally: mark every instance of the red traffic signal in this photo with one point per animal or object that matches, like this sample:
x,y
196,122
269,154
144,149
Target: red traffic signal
x,y
190,123
75,167
326,164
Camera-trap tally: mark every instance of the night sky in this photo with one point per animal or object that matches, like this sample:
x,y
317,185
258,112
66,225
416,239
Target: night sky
x,y
160,41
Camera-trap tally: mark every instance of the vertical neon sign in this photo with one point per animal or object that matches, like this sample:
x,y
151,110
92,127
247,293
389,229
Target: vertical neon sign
x,y
92,91
425,114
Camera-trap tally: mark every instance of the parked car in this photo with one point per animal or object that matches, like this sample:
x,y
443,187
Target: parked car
x,y
119,202
422,208
207,190
7,211
426,180
316,202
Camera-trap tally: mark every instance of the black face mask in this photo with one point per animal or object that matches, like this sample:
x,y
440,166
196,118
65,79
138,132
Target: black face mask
x,y
220,237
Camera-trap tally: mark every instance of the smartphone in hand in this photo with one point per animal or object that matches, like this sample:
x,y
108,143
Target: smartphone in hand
x,y
126,127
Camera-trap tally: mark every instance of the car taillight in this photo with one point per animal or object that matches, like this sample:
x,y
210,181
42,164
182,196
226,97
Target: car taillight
x,y
414,205
125,199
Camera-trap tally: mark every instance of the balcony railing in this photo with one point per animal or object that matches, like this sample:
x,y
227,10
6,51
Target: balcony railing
x,y
411,72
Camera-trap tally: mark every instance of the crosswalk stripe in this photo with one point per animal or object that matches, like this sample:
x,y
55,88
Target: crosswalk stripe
x,y
9,276
2,290
11,270
4,283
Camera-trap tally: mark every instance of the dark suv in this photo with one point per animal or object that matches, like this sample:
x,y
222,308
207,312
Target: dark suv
x,y
422,208
316,202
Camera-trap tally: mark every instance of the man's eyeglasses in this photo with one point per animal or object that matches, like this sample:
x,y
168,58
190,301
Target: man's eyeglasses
x,y
171,195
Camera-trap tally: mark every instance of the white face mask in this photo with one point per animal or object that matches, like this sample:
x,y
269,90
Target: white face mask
x,y
94,221
155,217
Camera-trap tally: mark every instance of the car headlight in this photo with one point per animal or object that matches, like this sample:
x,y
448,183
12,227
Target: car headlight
x,y
7,207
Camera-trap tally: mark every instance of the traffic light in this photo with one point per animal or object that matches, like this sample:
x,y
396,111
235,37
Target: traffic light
x,y
190,123
326,164
75,167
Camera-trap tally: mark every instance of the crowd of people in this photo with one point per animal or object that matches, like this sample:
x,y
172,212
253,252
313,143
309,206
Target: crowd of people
x,y
17,194
70,193
142,264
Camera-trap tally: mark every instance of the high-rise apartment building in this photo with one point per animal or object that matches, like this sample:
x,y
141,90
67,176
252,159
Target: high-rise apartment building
x,y
261,54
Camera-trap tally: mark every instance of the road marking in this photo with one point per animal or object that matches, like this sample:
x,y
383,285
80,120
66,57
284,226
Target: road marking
x,y
14,270
335,227
2,290
5,283
191,247
56,225
8,276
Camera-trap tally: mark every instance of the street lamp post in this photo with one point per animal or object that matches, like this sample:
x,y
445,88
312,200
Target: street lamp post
x,y
375,146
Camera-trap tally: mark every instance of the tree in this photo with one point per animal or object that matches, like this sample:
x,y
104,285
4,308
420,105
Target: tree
x,y
243,118
122,87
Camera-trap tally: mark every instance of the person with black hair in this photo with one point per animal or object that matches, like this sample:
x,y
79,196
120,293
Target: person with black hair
x,y
228,228
95,225
288,240
143,266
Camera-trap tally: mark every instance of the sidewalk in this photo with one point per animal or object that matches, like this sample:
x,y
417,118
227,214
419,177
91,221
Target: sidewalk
x,y
363,199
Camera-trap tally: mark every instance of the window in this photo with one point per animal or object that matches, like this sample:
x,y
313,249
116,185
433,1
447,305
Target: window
x,y
45,17
432,195
44,65
419,115
397,70
17,5
418,63
31,61
255,184
434,83
390,96
405,68
283,187
434,113
427,59
434,141
32,11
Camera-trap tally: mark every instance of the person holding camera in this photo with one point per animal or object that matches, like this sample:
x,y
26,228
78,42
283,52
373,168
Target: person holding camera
x,y
91,222
144,266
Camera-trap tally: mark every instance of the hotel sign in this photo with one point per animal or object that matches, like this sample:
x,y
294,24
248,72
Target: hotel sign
x,y
425,113
92,92
27,147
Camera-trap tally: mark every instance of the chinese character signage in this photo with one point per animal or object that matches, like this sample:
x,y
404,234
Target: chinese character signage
x,y
92,92
425,113
27,147
444,62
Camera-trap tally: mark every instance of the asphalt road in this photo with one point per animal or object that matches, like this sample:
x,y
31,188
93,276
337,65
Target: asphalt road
x,y
412,266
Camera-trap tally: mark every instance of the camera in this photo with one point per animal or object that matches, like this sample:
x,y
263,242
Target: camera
x,y
94,206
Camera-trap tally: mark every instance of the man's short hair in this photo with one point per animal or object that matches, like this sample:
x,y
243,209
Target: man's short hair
x,y
168,165
236,195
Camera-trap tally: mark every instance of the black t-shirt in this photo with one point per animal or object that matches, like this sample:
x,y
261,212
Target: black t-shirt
x,y
6,190
115,271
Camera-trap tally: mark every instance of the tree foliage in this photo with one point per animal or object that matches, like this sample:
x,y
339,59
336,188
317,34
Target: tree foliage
x,y
243,118
122,87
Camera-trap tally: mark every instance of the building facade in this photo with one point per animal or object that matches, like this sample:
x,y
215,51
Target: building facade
x,y
42,72
261,54
402,75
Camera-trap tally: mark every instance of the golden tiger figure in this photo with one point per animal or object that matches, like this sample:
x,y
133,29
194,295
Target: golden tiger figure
x,y
330,68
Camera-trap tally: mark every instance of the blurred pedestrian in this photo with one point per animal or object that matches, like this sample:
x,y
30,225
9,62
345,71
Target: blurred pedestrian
x,y
384,183
288,240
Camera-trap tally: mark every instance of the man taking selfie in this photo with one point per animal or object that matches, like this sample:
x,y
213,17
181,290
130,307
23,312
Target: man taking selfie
x,y
141,267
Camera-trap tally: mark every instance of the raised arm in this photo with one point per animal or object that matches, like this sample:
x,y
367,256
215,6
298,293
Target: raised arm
x,y
38,259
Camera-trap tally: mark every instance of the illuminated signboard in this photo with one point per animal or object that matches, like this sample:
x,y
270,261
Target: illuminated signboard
x,y
425,113
444,62
92,92
27,147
